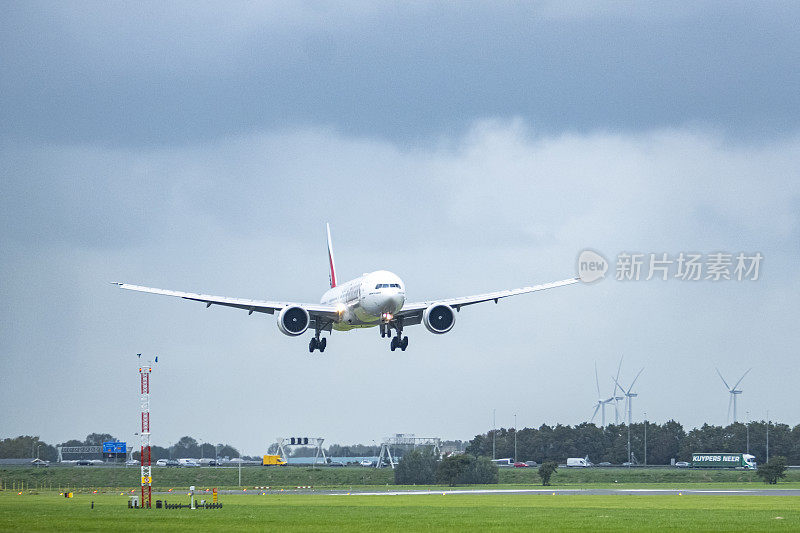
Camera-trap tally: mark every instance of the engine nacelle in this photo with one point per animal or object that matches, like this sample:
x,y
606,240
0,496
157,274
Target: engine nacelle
x,y
439,318
293,321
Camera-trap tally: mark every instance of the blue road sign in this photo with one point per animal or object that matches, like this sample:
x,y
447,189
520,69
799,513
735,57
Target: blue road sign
x,y
114,447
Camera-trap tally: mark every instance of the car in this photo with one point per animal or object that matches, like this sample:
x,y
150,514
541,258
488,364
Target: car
x,y
335,463
131,462
520,465
531,463
40,462
84,462
366,462
626,463
604,463
682,464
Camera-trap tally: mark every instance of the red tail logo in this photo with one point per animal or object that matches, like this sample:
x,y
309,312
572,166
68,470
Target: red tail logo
x,y
330,258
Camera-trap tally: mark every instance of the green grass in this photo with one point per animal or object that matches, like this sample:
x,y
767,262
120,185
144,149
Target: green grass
x,y
164,478
89,478
543,512
609,476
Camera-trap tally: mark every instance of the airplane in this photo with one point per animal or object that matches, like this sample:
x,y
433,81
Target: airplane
x,y
373,299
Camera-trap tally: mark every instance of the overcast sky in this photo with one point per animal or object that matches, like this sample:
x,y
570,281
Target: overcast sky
x,y
203,146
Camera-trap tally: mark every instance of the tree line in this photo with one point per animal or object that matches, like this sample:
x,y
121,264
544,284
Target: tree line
x,y
665,442
26,446
547,443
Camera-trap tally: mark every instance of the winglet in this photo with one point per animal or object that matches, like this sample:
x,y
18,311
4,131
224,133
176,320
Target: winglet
x,y
330,257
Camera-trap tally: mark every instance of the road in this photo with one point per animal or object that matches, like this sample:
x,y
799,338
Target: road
x,y
556,492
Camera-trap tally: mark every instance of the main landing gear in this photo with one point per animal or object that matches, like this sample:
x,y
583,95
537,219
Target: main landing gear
x,y
317,344
398,341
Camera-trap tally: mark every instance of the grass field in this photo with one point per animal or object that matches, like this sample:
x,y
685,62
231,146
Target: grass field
x,y
542,512
57,478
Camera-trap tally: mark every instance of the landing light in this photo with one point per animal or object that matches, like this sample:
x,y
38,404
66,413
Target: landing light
x,y
387,317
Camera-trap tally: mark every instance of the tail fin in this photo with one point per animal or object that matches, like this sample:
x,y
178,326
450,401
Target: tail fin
x,y
330,257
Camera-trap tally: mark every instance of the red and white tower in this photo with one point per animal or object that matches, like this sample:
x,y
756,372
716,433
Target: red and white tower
x,y
147,479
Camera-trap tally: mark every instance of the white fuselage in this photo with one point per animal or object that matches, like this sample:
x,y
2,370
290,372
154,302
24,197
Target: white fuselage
x,y
367,300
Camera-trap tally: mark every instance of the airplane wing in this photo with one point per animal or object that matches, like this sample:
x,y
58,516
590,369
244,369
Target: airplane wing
x,y
321,311
412,313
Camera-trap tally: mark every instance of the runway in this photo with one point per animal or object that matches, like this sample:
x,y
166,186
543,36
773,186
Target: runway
x,y
589,492
544,492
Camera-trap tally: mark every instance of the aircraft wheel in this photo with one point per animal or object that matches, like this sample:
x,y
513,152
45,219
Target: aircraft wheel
x,y
312,345
404,344
322,344
393,345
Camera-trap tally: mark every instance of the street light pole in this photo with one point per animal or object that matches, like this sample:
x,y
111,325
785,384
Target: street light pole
x,y
748,431
629,444
494,433
515,437
645,439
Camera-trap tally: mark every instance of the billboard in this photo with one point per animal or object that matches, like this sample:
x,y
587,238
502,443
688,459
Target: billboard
x,y
718,460
114,447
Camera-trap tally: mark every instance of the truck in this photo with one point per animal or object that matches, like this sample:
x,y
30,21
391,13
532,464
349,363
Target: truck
x,y
272,460
578,461
723,460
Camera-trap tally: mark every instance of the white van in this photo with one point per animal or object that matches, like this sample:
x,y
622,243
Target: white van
x,y
578,461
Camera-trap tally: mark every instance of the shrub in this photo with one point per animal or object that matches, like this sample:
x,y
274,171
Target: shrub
x,y
416,468
546,470
773,470
467,470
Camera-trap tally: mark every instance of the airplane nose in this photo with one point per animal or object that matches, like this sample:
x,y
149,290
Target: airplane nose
x,y
392,303
397,300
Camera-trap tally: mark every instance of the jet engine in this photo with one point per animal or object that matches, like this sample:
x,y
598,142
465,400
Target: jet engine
x,y
439,318
293,321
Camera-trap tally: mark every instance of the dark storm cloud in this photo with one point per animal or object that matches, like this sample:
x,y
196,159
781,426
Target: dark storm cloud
x,y
154,72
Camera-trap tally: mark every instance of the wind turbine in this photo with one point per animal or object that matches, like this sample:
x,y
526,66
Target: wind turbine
x,y
629,396
617,398
601,403
734,393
